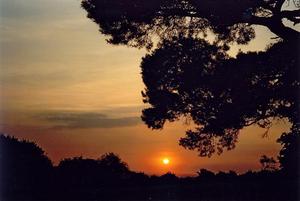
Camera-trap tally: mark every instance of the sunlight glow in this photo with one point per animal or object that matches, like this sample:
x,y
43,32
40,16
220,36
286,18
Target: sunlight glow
x,y
166,161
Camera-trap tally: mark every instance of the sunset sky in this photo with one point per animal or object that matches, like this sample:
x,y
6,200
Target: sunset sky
x,y
64,87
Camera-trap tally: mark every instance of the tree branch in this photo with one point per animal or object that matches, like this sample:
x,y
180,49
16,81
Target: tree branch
x,y
292,15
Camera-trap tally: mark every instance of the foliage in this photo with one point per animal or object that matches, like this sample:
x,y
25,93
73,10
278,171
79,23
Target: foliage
x,y
189,74
135,22
289,156
23,165
268,163
113,163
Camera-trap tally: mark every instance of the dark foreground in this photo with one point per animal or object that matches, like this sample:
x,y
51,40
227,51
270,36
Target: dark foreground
x,y
27,174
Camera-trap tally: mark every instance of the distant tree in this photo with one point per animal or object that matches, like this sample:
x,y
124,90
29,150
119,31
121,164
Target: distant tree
x,y
25,170
25,173
78,173
168,178
189,73
84,173
268,163
139,178
232,173
205,174
113,163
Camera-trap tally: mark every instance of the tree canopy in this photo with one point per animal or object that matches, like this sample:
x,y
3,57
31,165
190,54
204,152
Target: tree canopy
x,y
188,72
23,165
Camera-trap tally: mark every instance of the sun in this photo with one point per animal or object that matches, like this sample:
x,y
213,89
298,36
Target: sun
x,y
166,161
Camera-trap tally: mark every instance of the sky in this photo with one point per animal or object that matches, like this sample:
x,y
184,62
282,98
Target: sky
x,y
63,87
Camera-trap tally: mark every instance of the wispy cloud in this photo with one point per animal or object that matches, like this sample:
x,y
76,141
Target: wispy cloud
x,y
73,120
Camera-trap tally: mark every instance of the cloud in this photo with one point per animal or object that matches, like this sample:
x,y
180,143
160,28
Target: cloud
x,y
73,120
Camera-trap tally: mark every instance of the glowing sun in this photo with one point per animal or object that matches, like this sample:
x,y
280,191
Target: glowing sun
x,y
166,161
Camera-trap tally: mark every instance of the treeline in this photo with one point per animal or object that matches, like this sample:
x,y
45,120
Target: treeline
x,y
28,174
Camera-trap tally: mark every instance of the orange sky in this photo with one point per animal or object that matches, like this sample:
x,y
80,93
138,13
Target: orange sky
x,y
63,87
